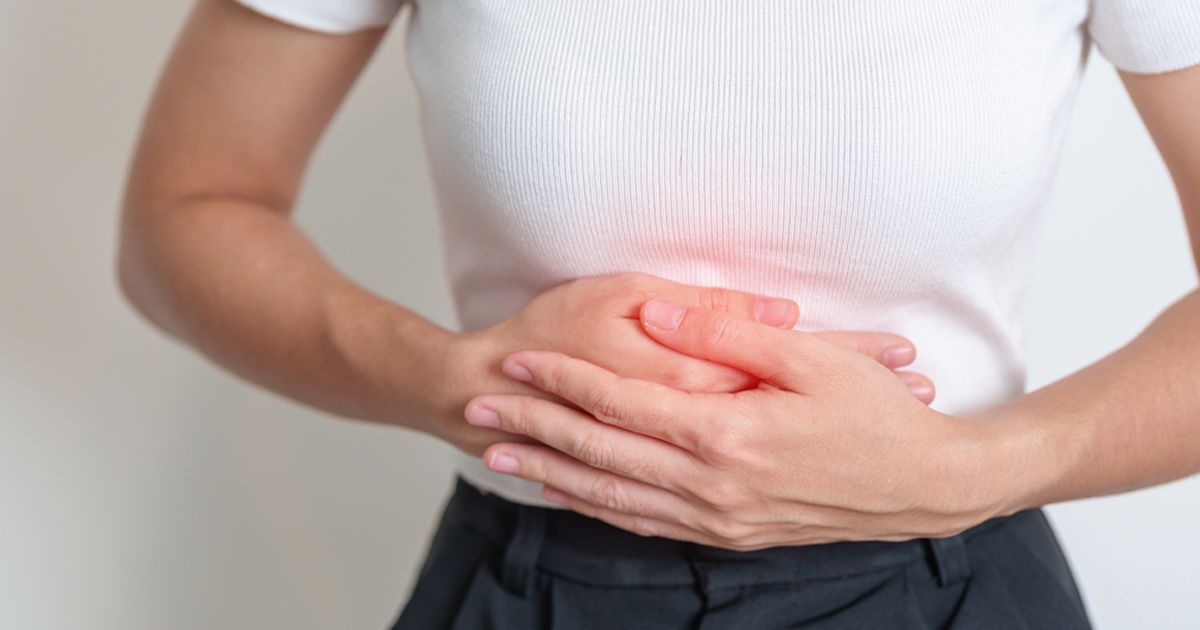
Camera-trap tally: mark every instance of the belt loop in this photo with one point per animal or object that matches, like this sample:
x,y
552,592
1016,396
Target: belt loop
x,y
949,559
521,554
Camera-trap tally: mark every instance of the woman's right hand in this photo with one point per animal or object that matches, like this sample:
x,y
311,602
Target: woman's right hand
x,y
597,319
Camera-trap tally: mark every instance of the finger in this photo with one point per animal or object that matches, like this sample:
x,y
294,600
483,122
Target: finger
x,y
629,403
670,527
542,464
890,350
636,523
772,311
919,384
576,434
663,365
786,358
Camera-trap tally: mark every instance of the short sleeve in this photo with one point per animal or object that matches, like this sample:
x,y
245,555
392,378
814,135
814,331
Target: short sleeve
x,y
1147,36
328,16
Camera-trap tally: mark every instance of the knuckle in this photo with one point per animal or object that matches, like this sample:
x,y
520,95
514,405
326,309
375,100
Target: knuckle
x,y
548,377
718,329
604,402
534,466
641,468
710,447
729,531
659,411
606,491
862,360
683,378
520,420
643,527
856,343
595,450
555,375
715,299
727,446
724,495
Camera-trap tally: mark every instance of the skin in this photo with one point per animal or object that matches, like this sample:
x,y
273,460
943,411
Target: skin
x,y
769,466
209,254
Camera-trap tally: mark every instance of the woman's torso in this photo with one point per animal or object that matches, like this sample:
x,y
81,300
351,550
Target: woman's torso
x,y
883,164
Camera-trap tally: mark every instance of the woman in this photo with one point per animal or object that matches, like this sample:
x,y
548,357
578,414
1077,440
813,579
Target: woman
x,y
667,224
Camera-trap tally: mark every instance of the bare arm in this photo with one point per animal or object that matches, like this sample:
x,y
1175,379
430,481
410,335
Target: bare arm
x,y
1132,419
207,248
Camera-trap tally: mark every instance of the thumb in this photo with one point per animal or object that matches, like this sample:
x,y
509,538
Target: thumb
x,y
784,358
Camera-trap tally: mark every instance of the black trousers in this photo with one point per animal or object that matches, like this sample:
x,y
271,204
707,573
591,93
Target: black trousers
x,y
496,565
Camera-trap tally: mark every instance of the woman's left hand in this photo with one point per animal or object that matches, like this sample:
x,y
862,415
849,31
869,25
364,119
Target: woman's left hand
x,y
831,446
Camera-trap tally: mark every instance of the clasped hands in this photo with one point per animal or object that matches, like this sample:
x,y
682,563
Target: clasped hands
x,y
823,442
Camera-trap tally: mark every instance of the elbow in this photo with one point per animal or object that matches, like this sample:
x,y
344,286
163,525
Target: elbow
x,y
126,262
125,275
133,267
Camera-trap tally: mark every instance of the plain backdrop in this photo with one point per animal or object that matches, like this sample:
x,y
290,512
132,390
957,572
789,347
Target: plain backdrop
x,y
142,488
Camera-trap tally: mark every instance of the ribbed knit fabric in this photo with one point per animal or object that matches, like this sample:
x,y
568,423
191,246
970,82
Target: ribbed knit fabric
x,y
884,164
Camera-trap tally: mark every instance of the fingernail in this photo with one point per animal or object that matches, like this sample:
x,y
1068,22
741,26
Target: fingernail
x,y
515,370
899,355
555,496
503,463
662,315
482,417
921,390
772,311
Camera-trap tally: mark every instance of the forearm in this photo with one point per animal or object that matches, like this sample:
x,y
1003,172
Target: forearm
x,y
1128,421
242,284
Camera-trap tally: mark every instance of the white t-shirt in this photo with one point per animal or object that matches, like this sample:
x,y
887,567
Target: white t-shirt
x,y
884,164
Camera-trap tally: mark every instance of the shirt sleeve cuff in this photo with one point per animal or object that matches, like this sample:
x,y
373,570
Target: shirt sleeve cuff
x,y
329,22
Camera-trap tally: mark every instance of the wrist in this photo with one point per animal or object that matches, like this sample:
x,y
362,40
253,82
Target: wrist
x,y
454,378
430,392
1018,462
392,358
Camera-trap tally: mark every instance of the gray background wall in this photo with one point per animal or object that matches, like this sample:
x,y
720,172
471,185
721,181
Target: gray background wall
x,y
142,488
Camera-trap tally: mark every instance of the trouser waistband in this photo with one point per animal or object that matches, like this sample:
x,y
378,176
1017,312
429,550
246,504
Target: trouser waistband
x,y
590,551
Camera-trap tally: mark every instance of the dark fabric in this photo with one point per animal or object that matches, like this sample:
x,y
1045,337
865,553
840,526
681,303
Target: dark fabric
x,y
498,565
